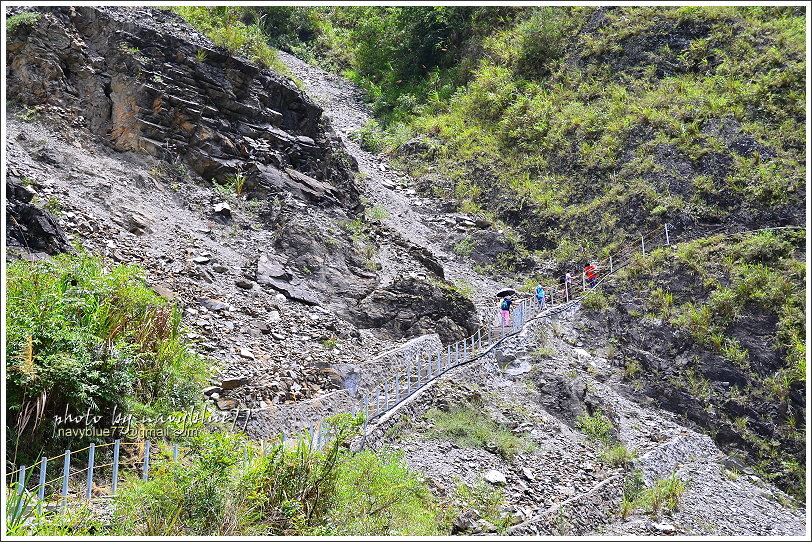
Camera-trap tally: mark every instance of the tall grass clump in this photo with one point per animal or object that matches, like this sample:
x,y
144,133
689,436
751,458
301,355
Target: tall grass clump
x,y
81,336
466,426
662,495
292,489
27,18
227,27
596,426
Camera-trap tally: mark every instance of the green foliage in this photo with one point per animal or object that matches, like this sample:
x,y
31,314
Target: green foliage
x,y
377,212
29,114
763,247
662,301
595,426
617,456
466,426
541,41
81,335
464,247
225,27
664,494
376,494
633,368
236,183
595,300
373,138
698,385
290,490
20,506
463,288
27,18
70,521
486,499
633,485
53,206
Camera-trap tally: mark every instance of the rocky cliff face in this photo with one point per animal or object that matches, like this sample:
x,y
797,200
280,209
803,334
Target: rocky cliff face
x,y
130,121
145,82
748,404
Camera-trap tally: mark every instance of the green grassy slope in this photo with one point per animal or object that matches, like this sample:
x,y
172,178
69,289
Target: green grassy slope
x,y
580,128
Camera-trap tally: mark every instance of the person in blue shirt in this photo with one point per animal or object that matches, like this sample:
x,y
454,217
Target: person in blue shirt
x,y
540,296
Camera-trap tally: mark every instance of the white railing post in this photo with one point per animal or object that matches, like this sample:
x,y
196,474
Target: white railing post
x,y
43,468
90,458
20,489
65,477
116,447
419,370
643,244
146,460
667,240
397,388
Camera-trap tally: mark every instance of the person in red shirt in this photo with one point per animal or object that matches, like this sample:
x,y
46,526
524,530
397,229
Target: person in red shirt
x,y
591,273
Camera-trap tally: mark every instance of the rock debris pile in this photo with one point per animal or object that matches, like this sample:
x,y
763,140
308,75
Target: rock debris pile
x,y
275,385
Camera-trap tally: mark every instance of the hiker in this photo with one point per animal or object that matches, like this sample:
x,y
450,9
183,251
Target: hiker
x,y
540,297
505,306
591,273
566,281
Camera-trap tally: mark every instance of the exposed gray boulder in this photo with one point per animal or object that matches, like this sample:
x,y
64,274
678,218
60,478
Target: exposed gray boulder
x,y
31,228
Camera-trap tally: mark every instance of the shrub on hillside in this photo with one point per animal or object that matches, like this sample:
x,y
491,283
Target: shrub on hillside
x,y
594,300
224,27
542,40
81,336
292,489
26,18
596,426
466,426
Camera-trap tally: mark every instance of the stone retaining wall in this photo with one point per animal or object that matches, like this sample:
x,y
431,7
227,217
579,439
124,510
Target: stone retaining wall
x,y
271,421
579,515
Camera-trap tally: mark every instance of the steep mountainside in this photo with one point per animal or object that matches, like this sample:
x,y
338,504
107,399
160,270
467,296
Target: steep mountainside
x,y
140,84
197,221
147,144
582,129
